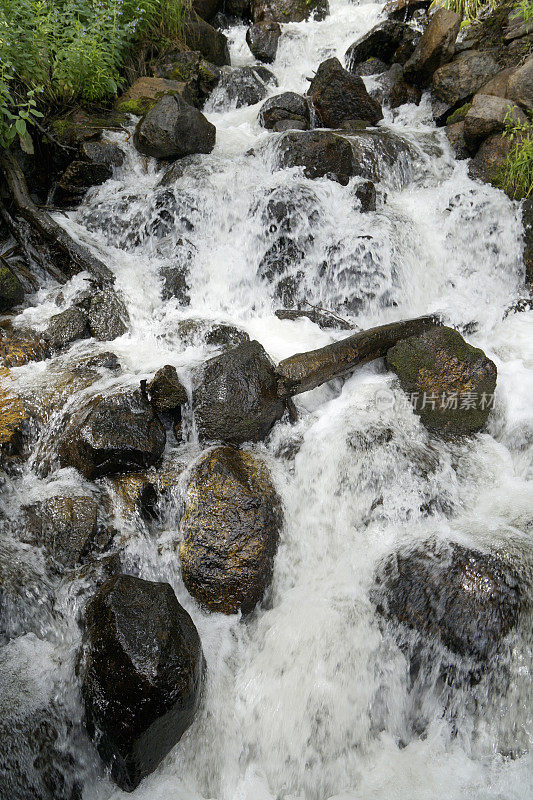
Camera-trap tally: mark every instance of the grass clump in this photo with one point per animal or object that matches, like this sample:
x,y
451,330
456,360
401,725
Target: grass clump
x,y
515,174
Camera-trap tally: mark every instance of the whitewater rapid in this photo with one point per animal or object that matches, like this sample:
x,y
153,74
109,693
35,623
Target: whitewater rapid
x,y
306,700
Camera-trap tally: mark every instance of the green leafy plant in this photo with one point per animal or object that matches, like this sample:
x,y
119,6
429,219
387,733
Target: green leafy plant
x,y
515,175
470,10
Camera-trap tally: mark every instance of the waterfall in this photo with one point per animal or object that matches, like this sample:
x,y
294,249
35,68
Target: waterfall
x,y
310,697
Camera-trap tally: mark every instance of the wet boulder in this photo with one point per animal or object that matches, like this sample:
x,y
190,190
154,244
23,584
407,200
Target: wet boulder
x,y
203,37
520,85
457,81
117,433
371,66
467,600
175,276
11,290
174,129
66,527
230,531
319,318
381,42
436,47
198,332
527,222
108,316
456,136
486,163
487,116
243,86
165,390
142,673
451,383
402,92
236,399
289,10
94,167
66,327
339,96
206,9
320,153
200,76
262,39
285,111
146,92
404,10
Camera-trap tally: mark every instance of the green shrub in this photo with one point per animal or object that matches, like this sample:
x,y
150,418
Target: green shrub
x,y
64,51
470,10
515,175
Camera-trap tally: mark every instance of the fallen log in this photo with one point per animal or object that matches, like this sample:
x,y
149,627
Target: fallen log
x,y
72,257
305,371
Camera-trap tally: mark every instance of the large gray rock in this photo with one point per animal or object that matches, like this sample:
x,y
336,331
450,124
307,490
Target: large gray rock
x,y
243,86
203,37
460,79
230,531
451,383
487,116
285,111
174,129
381,42
339,96
520,85
66,327
108,316
289,10
142,674
489,158
236,397
117,433
262,39
435,48
320,153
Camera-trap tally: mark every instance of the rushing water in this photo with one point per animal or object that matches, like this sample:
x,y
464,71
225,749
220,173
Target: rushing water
x,y
307,698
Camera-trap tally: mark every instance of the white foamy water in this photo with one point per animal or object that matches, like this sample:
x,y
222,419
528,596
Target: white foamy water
x,y
307,699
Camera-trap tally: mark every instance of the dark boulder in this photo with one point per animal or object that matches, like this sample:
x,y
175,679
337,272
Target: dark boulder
x,y
285,109
489,158
371,66
466,599
320,153
262,39
67,327
206,9
243,86
176,274
142,674
289,10
436,47
367,196
456,137
338,96
200,76
457,81
381,42
402,92
236,397
67,528
108,316
118,433
451,383
520,85
165,390
203,37
146,92
25,592
403,10
11,291
319,318
99,152
173,129
230,530
95,166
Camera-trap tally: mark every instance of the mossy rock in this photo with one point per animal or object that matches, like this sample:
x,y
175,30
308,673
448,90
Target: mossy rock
x,y
230,531
13,414
459,114
11,291
81,125
451,384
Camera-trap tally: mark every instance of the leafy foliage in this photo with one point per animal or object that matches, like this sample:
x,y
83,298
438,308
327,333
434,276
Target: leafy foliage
x,y
470,10
515,175
62,51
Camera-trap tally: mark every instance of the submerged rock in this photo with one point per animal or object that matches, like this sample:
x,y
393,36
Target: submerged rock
x,y
337,96
451,383
236,399
285,111
435,48
118,433
466,599
262,39
173,129
66,327
108,316
142,674
320,153
230,531
289,10
244,86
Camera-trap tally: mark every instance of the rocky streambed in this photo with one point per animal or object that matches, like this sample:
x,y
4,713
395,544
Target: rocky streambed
x,y
266,421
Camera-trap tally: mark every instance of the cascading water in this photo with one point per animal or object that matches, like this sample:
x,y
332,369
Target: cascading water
x,y
309,698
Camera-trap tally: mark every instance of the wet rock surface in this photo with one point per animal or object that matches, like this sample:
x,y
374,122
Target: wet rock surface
x,y
230,531
174,129
338,96
244,86
453,383
285,111
382,42
289,10
11,290
466,599
66,327
236,397
262,39
457,81
435,48
320,153
107,315
117,433
142,675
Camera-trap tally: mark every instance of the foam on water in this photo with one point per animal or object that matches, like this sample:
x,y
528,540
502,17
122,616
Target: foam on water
x,y
307,698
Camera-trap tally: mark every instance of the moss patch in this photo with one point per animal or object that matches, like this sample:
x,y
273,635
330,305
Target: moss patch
x,y
459,114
